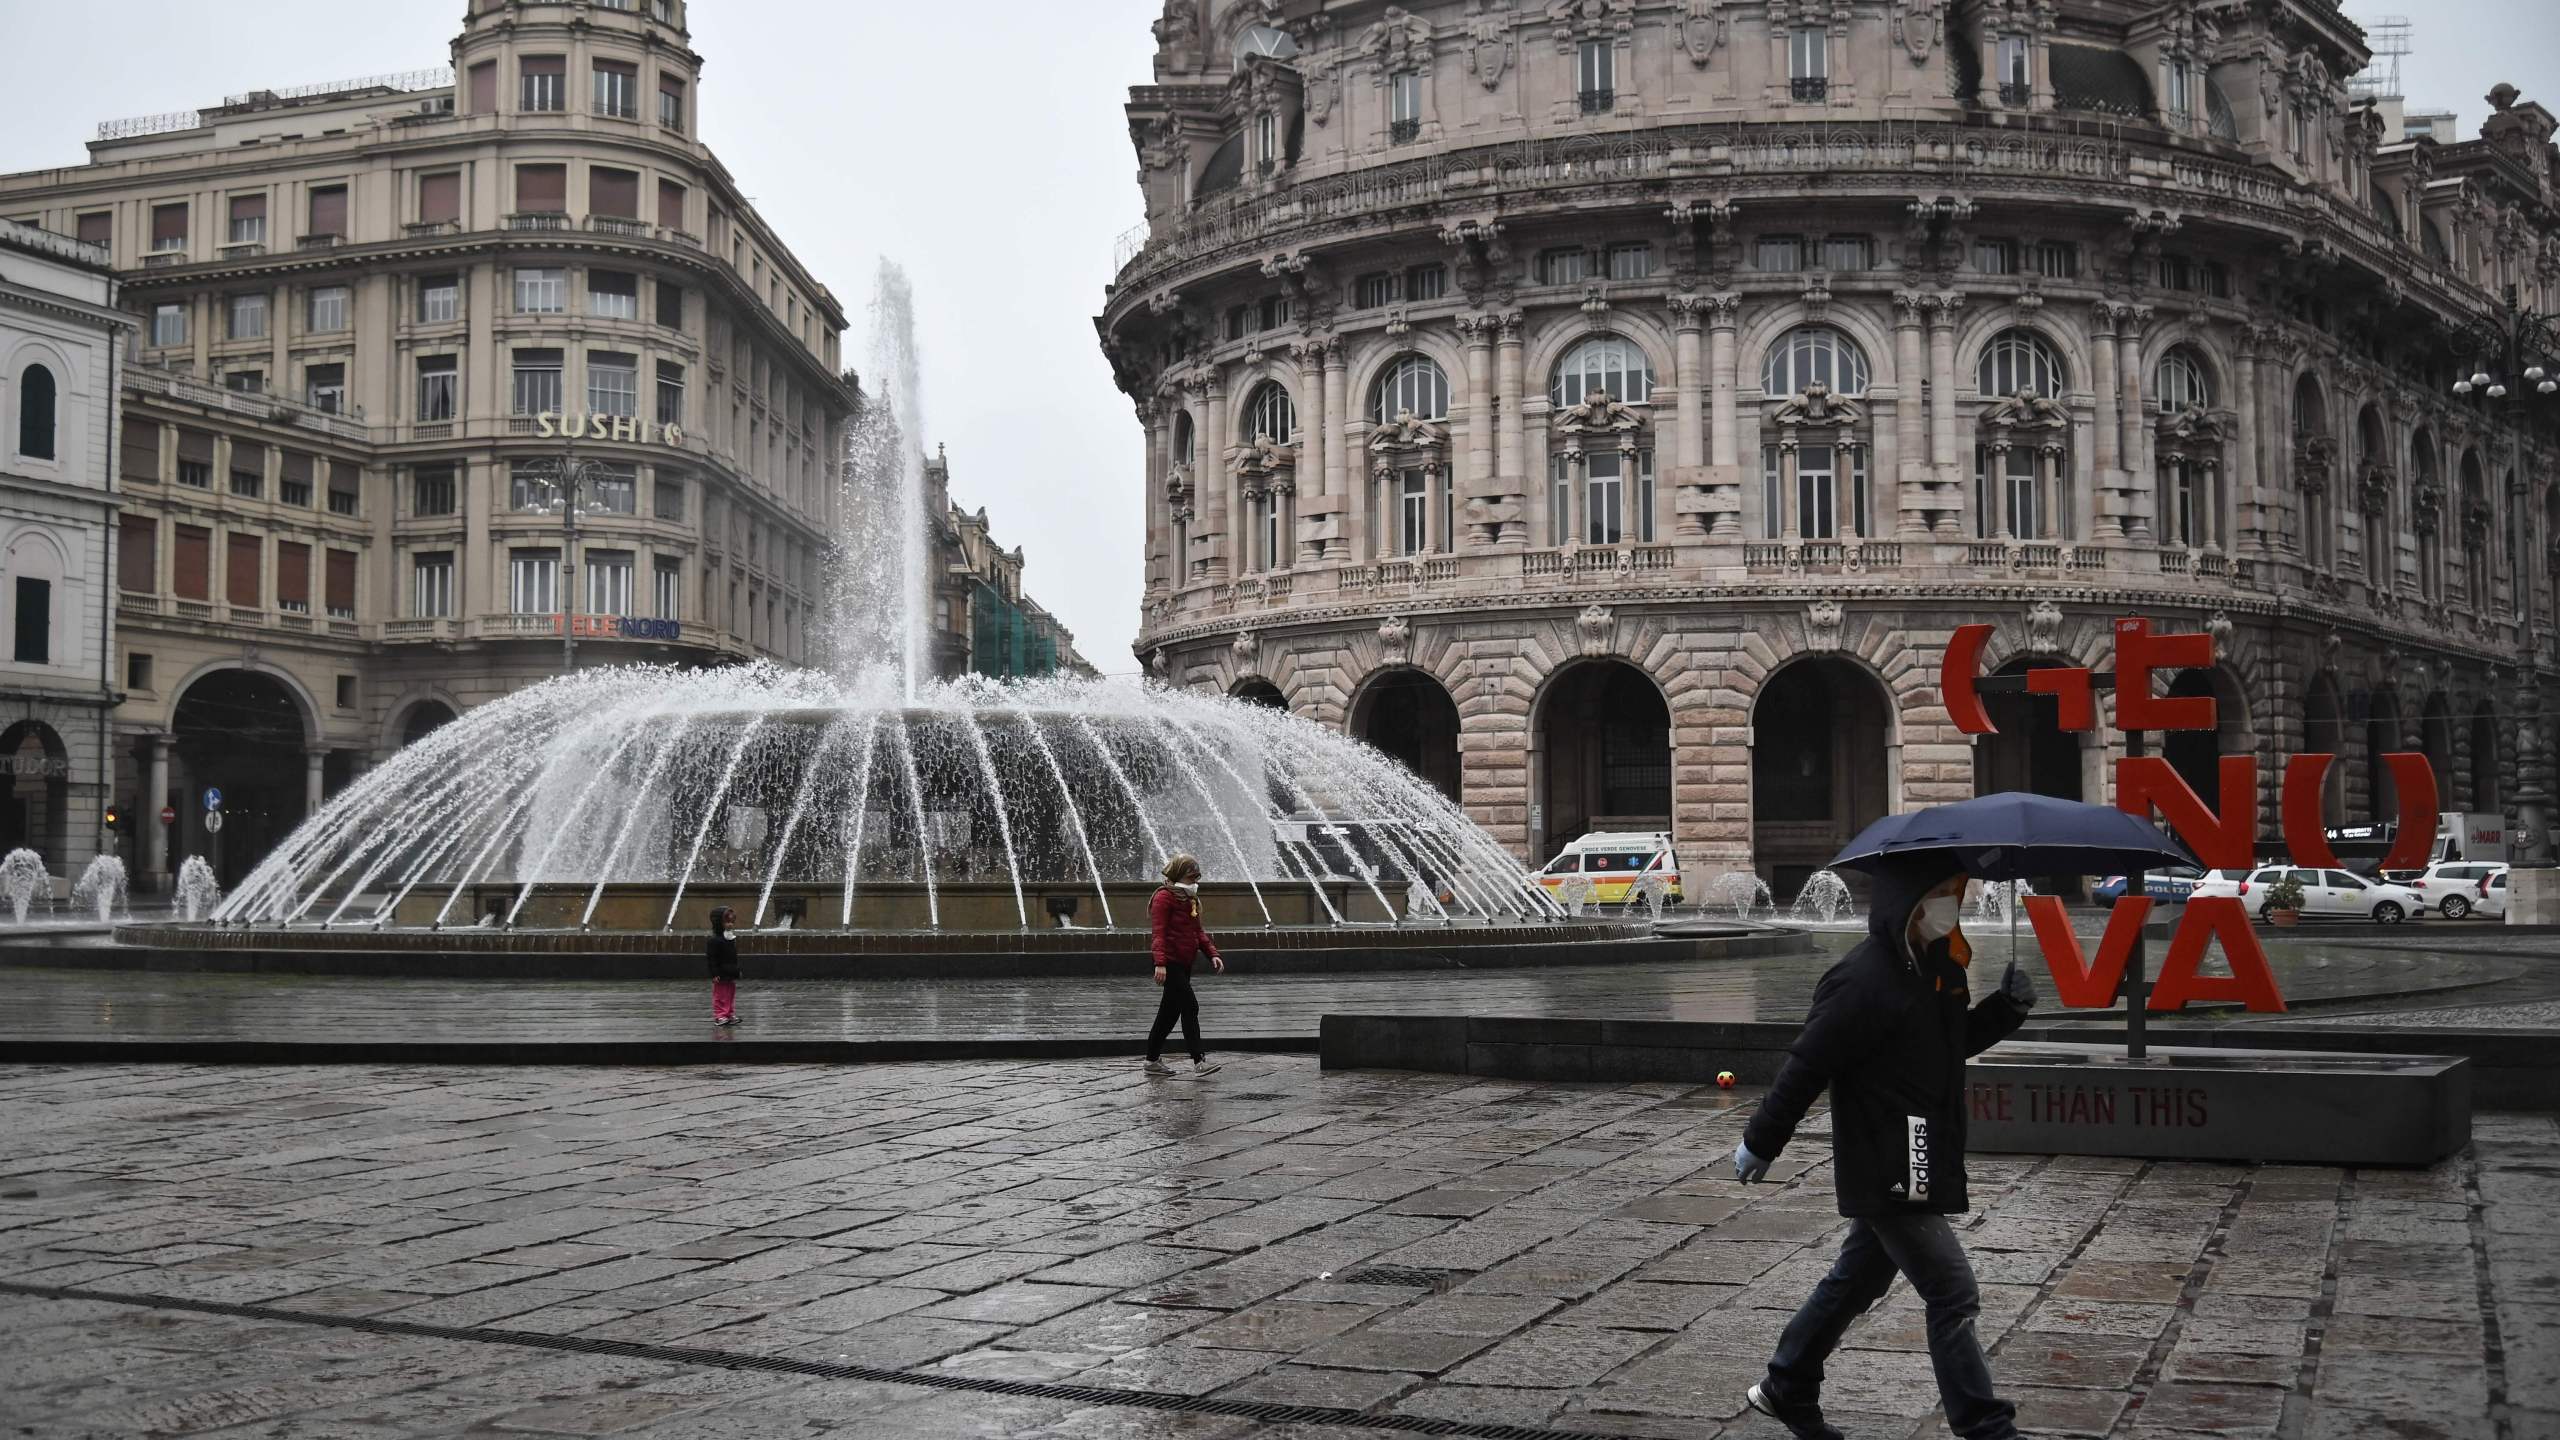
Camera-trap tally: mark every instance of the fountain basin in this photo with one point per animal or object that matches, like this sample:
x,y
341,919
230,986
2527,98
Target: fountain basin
x,y
566,953
959,905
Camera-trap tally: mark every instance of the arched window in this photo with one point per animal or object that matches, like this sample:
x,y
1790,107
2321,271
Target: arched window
x,y
1413,384
1182,438
35,413
2182,383
2310,407
1603,362
2020,361
1270,414
1814,355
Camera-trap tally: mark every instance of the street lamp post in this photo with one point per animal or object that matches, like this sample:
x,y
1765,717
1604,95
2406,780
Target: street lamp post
x,y
567,483
2513,357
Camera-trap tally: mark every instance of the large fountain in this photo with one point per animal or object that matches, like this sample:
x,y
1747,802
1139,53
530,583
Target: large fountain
x,y
869,808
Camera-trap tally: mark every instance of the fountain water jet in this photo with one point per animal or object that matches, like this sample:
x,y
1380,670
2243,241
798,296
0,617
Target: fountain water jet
x,y
23,879
1823,899
101,888
198,892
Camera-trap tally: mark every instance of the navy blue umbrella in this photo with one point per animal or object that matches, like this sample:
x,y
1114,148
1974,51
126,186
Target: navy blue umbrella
x,y
2014,835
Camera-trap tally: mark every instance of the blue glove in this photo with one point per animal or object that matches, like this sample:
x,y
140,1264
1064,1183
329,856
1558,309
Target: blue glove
x,y
2019,988
1748,1167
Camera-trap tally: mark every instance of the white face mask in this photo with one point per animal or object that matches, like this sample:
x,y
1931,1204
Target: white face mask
x,y
1188,887
1938,916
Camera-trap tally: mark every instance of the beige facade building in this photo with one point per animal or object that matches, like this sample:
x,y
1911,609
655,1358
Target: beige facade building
x,y
374,314
1609,406
62,340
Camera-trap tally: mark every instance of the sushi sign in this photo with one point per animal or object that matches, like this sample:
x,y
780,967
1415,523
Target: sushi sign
x,y
2145,785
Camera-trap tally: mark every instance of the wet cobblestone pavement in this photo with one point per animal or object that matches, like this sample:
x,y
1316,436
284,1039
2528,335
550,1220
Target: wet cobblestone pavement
x,y
79,1004
1068,1249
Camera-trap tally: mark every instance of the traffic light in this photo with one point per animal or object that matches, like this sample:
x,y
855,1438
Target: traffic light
x,y
112,817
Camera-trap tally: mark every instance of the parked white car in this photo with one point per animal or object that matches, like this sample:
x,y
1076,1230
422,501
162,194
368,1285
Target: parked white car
x,y
2333,895
2452,887
2490,901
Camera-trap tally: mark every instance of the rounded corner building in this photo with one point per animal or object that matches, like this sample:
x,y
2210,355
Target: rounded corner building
x,y
1609,407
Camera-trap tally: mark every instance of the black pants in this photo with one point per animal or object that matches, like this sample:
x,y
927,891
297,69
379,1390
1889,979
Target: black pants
x,y
1924,1248
1178,1002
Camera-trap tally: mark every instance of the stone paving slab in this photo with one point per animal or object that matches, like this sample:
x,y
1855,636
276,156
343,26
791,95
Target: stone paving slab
x,y
1056,1248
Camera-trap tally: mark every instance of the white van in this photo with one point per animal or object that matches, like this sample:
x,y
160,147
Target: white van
x,y
1616,862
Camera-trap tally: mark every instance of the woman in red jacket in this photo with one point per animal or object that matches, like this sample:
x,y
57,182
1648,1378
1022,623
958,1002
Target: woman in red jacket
x,y
1173,921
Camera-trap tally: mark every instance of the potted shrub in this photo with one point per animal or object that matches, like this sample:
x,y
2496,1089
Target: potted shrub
x,y
2284,901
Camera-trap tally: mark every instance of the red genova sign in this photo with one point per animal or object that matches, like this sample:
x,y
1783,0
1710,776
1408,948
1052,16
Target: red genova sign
x,y
2223,840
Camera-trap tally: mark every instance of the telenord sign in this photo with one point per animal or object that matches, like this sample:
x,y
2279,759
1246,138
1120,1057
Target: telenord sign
x,y
2223,841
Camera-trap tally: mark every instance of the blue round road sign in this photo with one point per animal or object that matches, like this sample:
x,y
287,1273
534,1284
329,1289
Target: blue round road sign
x,y
212,798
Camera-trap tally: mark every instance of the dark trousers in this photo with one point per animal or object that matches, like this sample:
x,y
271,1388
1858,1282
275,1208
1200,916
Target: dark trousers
x,y
1180,1003
1925,1250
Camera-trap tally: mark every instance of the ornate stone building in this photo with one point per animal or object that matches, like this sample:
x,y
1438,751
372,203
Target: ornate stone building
x,y
1610,405
369,310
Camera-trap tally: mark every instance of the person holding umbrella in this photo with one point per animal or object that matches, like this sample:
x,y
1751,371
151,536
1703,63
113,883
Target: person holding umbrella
x,y
1888,1034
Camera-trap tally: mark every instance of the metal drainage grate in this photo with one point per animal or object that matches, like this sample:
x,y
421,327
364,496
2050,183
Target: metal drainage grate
x,y
1262,1410
1257,1097
1403,1275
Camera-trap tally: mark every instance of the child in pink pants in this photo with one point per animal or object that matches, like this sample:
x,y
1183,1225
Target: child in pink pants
x,y
722,952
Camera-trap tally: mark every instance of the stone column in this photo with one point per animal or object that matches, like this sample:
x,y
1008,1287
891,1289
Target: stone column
x,y
1690,431
1340,485
1721,313
1159,416
1315,441
2254,492
155,836
1942,406
1213,482
2137,453
1360,500
2102,380
1478,481
312,761
1511,461
1910,418
1789,521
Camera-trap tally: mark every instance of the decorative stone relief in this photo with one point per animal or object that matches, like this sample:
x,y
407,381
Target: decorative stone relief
x,y
2218,625
1399,41
2044,628
1395,641
1489,43
1160,663
1245,645
1703,30
1599,626
1576,20
1916,25
1822,621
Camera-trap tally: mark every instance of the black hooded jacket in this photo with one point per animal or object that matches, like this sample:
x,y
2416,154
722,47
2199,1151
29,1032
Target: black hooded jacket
x,y
1889,1036
721,951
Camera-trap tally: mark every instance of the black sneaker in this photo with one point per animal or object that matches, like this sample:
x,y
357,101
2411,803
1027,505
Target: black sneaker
x,y
1802,1421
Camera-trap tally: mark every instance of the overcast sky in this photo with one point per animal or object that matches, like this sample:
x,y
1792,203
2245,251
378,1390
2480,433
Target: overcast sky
x,y
979,144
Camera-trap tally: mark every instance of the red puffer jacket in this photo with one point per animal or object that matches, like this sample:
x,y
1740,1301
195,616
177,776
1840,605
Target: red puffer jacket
x,y
1174,918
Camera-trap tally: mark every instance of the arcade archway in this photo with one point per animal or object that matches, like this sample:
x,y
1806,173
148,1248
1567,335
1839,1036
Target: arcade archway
x,y
36,809
424,719
2197,754
1410,716
243,733
1821,732
2324,732
1260,692
2030,752
1603,736
2381,737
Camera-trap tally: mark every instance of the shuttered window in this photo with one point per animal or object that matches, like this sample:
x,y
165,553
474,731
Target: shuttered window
x,y
329,211
484,87
169,226
98,227
342,584
193,579
613,192
141,451
293,577
440,196
294,487
671,204
542,189
138,554
240,578
344,488
248,219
